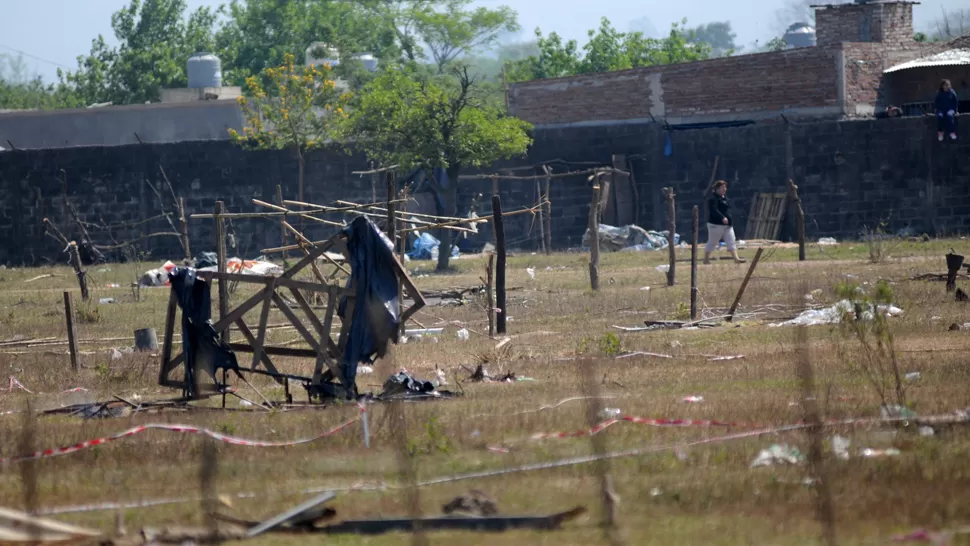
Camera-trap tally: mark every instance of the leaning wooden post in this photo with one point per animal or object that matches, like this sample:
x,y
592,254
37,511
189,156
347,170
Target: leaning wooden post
x,y
693,265
82,275
283,222
221,257
500,302
71,334
799,218
671,232
548,214
184,225
594,239
542,222
744,284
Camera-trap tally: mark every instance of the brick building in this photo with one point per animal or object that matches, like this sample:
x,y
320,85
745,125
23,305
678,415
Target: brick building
x,y
843,76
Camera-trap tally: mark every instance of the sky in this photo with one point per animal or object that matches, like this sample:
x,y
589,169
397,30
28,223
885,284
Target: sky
x,y
52,33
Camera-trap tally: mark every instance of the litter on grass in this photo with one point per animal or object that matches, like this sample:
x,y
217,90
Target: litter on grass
x,y
777,454
843,310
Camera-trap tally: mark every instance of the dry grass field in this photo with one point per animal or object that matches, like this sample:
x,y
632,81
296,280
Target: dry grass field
x,y
704,493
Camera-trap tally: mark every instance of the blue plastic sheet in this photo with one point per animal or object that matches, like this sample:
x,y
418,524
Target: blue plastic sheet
x,y
425,246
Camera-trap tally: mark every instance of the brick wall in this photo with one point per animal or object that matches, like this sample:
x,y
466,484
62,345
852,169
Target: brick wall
x,y
800,81
890,23
851,174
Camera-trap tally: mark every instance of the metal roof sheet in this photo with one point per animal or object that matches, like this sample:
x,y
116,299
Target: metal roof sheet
x,y
950,57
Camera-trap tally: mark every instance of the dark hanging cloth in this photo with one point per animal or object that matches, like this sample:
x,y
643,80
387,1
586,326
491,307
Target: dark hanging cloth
x,y
204,350
376,317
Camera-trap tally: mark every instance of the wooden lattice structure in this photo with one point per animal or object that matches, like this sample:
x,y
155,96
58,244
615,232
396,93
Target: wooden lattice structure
x,y
324,349
765,218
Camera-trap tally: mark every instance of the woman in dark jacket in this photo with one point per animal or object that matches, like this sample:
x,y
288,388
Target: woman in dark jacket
x,y
719,223
946,110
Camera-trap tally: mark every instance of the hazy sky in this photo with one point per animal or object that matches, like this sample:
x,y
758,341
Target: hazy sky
x,y
53,33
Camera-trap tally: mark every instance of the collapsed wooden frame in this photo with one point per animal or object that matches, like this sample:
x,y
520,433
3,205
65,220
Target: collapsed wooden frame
x,y
326,351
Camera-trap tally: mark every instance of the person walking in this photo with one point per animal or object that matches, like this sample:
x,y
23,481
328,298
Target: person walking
x,y
719,224
947,105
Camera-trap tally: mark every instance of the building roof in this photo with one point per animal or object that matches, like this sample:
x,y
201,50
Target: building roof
x,y
950,57
119,125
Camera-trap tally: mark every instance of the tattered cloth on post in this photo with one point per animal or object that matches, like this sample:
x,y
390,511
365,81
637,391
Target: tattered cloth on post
x,y
377,314
203,348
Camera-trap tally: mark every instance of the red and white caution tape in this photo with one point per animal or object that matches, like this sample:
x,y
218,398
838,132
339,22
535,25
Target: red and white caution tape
x,y
14,384
66,450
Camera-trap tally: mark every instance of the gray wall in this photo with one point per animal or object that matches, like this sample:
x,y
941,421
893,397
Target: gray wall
x,y
850,174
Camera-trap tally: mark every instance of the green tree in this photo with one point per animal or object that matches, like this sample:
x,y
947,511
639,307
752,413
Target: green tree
x,y
19,90
431,123
258,34
155,41
608,50
776,44
295,110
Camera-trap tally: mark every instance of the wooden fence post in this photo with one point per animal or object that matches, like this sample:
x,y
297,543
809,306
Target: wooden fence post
x,y
71,333
594,239
799,218
184,226
221,256
500,301
671,232
283,221
548,214
489,284
693,265
391,182
542,222
82,275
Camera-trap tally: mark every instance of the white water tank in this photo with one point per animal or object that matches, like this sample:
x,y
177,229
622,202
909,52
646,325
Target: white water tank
x,y
204,70
800,35
319,53
369,60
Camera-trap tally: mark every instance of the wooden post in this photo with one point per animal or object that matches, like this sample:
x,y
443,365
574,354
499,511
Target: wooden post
x,y
283,222
799,218
184,225
594,239
499,226
671,231
221,256
744,284
82,275
391,182
693,265
542,223
71,334
548,215
489,284
601,465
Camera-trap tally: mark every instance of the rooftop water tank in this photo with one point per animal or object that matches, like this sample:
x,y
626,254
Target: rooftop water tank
x,y
369,60
321,52
204,70
800,35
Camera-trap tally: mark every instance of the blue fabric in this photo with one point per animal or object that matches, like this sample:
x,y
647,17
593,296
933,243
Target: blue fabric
x,y
204,349
946,101
668,147
376,317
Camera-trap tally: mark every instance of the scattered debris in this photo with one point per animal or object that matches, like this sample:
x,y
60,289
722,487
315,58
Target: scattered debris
x,y
610,413
629,238
725,358
871,453
463,335
926,431
532,272
642,353
912,376
39,277
663,268
403,383
474,503
106,301
827,241
15,384
18,527
777,454
365,370
693,399
426,248
843,310
895,411
840,447
454,523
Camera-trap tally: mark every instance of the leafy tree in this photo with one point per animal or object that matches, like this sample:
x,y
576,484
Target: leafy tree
x,y
719,36
433,123
258,34
19,90
608,50
155,41
295,110
776,44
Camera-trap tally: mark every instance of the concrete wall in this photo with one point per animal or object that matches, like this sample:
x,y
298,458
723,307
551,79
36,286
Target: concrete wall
x,y
851,174
118,125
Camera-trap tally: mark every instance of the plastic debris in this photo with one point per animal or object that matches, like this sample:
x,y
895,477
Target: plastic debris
x,y
105,301
777,454
663,268
439,379
870,453
895,411
840,447
610,413
245,403
645,289
463,335
693,399
836,313
912,376
115,354
828,241
113,285
532,272
926,431
629,238
426,248
656,492
364,370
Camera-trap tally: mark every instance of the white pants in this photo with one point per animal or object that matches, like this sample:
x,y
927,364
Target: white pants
x,y
717,232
